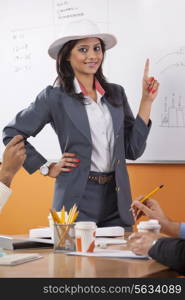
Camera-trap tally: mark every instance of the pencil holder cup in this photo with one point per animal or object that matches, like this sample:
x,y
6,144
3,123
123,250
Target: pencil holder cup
x,y
64,237
51,224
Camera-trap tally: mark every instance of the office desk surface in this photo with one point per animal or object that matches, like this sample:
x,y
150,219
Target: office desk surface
x,y
53,265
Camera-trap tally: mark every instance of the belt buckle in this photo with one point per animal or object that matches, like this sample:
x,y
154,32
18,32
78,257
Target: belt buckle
x,y
102,179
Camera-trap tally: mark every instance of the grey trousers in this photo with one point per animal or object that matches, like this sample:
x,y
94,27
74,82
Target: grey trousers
x,y
99,204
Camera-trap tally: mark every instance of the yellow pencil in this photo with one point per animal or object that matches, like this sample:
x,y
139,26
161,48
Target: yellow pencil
x,y
149,194
71,214
55,217
75,216
63,215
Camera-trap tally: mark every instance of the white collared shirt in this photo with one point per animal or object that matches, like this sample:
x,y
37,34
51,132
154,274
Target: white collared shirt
x,y
102,133
5,193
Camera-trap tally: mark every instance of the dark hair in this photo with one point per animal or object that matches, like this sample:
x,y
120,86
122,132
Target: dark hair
x,y
65,73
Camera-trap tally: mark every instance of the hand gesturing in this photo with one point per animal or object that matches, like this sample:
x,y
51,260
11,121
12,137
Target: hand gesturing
x,y
150,85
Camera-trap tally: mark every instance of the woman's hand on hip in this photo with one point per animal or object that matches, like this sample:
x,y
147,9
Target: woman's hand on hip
x,y
66,164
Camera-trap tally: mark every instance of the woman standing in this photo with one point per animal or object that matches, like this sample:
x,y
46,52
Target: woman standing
x,y
95,127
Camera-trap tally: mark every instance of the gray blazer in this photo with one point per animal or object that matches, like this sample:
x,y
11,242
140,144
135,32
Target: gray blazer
x,y
69,119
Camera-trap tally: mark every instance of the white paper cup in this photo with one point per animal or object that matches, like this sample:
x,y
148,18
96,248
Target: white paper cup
x,y
85,233
149,226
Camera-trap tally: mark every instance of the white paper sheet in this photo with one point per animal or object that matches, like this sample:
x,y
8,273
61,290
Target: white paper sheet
x,y
18,258
110,253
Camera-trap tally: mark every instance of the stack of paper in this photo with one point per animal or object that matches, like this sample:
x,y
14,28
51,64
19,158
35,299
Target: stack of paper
x,y
8,242
45,232
18,258
110,231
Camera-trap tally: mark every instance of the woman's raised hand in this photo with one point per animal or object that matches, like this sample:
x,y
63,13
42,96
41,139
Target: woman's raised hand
x,y
149,93
150,85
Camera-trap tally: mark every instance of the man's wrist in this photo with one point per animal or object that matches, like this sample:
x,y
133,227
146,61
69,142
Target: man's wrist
x,y
170,227
6,177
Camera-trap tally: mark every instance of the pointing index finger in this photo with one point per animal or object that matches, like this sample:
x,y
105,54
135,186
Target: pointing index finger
x,y
146,69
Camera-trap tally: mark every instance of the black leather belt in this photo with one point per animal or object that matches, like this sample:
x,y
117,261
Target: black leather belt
x,y
100,179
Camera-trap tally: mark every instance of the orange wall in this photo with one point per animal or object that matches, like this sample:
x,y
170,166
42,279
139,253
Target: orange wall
x,y
32,195
29,205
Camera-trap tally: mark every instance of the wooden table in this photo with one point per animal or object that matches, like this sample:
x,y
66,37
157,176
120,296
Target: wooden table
x,y
54,265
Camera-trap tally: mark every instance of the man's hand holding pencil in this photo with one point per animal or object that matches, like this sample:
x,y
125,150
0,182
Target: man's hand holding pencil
x,y
143,205
149,208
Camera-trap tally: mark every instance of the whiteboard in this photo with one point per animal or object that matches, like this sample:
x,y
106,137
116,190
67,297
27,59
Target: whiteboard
x,y
144,28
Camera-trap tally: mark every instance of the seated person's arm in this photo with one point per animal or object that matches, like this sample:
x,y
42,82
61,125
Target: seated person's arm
x,y
13,158
167,251
152,209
